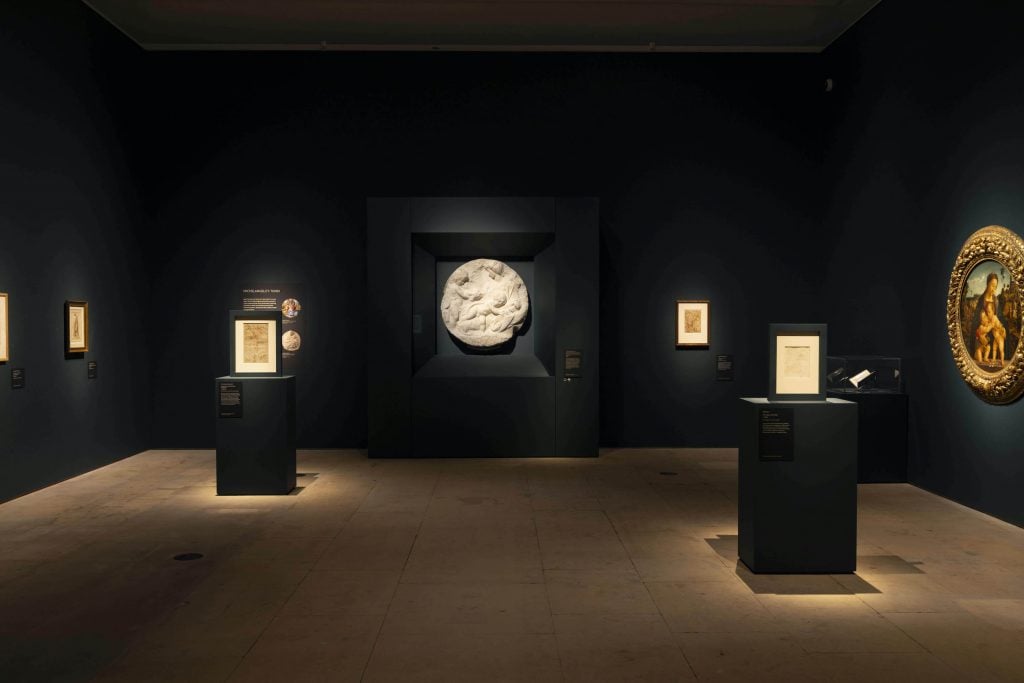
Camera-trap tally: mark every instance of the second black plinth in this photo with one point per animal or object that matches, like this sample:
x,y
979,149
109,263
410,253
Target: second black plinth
x,y
881,436
255,435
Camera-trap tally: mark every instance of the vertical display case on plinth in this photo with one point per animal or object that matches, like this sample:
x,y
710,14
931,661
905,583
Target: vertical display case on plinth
x,y
255,411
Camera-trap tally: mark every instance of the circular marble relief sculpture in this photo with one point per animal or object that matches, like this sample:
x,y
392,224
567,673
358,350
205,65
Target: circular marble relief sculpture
x,y
484,303
985,312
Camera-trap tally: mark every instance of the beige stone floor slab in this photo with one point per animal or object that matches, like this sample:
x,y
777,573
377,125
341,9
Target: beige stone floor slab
x,y
1007,614
480,507
494,481
550,502
857,668
505,552
973,647
310,648
397,499
598,593
710,607
309,521
979,580
619,648
325,592
837,624
580,541
487,570
667,544
442,658
556,481
182,668
900,592
748,656
469,608
372,542
693,569
649,518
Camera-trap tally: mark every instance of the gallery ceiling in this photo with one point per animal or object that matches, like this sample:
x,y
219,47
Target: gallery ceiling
x,y
499,25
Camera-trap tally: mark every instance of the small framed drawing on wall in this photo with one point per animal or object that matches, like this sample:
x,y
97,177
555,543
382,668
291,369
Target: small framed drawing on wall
x,y
796,362
693,324
5,337
76,326
255,343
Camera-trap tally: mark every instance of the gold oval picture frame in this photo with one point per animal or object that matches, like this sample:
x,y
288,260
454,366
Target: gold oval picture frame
x,y
984,314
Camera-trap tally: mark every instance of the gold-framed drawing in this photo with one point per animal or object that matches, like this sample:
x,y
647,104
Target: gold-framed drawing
x,y
693,323
984,313
5,334
255,343
76,326
796,361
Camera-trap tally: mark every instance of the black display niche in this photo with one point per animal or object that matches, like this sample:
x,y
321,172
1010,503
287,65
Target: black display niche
x,y
430,395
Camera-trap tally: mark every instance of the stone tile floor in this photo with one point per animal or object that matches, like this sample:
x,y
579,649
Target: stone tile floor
x,y
487,570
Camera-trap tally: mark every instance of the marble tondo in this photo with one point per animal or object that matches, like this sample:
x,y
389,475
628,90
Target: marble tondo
x,y
485,303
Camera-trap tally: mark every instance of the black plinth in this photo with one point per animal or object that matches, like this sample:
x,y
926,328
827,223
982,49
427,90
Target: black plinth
x,y
881,436
256,452
799,515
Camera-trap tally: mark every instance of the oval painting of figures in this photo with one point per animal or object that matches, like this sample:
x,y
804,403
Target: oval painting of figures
x,y
984,313
988,317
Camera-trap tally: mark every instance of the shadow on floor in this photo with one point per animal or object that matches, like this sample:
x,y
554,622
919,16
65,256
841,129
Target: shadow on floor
x,y
302,481
726,546
799,584
802,584
887,564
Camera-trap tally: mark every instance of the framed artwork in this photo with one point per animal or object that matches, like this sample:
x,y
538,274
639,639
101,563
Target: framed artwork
x,y
693,324
796,362
984,310
5,343
255,343
76,326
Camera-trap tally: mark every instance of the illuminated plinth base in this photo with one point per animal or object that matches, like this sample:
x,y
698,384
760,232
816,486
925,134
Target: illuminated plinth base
x,y
256,451
798,486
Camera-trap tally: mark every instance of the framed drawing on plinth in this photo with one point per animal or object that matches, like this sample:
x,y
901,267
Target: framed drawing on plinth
x,y
985,314
255,343
796,362
5,343
76,326
693,324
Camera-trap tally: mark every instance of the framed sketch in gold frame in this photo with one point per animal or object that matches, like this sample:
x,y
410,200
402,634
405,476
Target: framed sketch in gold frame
x,y
76,326
984,314
5,335
693,323
255,343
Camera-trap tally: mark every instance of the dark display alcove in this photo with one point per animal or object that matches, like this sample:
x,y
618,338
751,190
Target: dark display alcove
x,y
429,395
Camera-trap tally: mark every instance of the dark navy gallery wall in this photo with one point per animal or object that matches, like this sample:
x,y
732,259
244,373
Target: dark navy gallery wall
x,y
69,216
252,232
926,146
706,168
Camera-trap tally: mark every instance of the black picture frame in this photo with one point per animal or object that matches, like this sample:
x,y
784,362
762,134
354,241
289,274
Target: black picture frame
x,y
5,328
71,347
777,391
274,343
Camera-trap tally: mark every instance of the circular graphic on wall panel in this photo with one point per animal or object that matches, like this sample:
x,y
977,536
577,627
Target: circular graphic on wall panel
x,y
290,308
291,341
485,303
984,314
